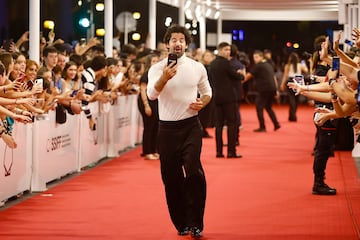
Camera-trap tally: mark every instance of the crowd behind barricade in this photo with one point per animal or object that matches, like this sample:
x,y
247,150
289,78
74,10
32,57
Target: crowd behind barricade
x,y
67,78
334,86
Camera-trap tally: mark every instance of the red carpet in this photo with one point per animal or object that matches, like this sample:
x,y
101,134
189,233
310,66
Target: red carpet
x,y
265,195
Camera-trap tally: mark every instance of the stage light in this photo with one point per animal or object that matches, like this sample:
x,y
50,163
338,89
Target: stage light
x,y
99,7
100,32
136,15
49,24
136,36
84,22
168,21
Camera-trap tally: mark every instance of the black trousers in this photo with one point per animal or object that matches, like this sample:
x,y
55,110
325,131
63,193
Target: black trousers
x,y
180,144
151,126
263,101
206,115
293,104
226,113
323,148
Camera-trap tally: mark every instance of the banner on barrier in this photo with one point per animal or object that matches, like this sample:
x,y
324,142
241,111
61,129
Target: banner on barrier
x,y
92,144
55,148
15,173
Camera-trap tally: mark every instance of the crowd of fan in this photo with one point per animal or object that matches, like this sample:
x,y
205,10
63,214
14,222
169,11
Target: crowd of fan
x,y
65,79
340,87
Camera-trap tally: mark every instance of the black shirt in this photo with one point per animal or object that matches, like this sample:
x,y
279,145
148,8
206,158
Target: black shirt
x,y
263,74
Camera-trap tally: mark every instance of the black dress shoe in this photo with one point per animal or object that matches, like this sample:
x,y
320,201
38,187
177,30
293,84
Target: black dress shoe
x,y
260,130
276,127
220,155
183,232
234,156
323,189
196,232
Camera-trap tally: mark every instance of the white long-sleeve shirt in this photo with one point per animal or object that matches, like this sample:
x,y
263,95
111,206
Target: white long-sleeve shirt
x,y
181,90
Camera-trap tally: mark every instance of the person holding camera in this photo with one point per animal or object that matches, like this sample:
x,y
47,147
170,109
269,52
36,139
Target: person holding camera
x,y
176,81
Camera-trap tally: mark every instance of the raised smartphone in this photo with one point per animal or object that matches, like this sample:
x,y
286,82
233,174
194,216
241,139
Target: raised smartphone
x,y
336,64
299,79
172,57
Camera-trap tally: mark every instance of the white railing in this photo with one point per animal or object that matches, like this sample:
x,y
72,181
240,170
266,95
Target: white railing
x,y
47,151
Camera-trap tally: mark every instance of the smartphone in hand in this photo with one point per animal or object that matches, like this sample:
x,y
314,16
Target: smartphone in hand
x,y
39,81
172,57
336,65
299,79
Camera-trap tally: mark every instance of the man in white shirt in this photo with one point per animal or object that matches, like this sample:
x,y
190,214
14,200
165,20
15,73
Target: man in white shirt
x,y
176,86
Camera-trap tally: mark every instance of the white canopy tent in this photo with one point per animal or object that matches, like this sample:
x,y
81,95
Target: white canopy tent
x,y
345,11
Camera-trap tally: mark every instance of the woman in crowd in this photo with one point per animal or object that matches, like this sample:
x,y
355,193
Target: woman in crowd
x,y
130,83
11,112
149,112
207,114
68,87
292,68
8,61
19,66
21,60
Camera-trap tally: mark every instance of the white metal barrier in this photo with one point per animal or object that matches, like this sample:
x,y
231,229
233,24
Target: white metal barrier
x,y
15,174
356,155
47,151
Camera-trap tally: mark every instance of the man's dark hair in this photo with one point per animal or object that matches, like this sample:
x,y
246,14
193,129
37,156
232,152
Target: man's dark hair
x,y
267,51
98,63
111,61
128,49
259,52
87,63
78,59
61,47
177,29
49,49
222,45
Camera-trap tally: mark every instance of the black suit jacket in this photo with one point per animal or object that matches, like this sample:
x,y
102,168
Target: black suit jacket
x,y
224,78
